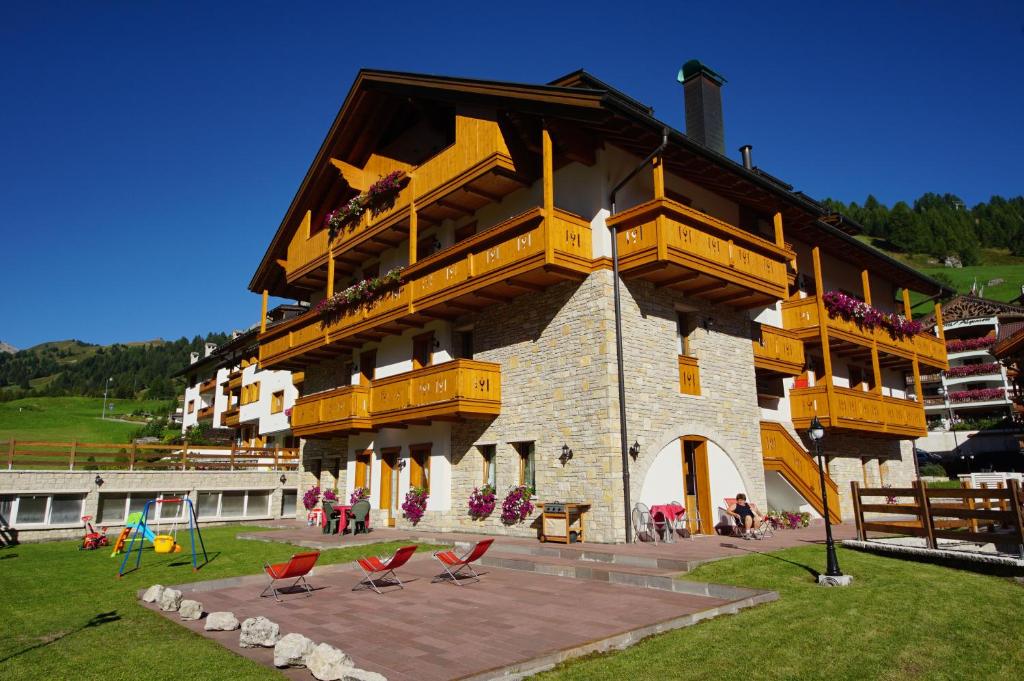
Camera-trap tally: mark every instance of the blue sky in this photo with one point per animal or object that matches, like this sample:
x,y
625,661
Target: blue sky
x,y
148,150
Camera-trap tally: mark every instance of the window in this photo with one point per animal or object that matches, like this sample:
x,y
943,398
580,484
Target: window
x,y
427,246
42,509
277,402
209,503
31,509
112,508
362,478
6,511
251,393
191,406
232,504
289,500
367,366
490,467
240,503
527,464
464,344
419,466
257,504
65,509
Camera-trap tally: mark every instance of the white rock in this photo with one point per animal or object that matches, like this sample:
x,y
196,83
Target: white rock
x,y
152,594
170,600
362,675
259,632
327,663
190,610
221,621
292,651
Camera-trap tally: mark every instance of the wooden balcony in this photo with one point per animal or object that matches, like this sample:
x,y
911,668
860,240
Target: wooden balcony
x,y
689,375
209,385
523,254
459,180
452,391
205,413
847,339
858,411
669,244
777,350
230,418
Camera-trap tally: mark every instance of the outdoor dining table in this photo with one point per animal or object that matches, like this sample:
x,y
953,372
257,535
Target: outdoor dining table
x,y
671,515
343,509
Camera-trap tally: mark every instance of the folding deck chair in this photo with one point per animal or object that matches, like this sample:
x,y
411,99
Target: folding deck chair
x,y
376,571
453,565
297,567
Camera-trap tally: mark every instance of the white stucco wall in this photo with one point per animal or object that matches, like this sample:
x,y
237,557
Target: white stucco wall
x,y
438,435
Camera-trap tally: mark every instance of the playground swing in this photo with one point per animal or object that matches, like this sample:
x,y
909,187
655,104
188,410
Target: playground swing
x,y
162,542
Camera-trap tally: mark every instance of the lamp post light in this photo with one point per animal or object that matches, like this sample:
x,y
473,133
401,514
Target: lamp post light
x,y
833,575
103,414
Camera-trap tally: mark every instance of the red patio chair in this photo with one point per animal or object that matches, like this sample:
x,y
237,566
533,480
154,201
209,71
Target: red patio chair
x,y
453,565
297,567
376,570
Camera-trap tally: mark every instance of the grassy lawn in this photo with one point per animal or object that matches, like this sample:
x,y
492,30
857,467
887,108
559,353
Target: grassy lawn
x,y
899,620
70,418
64,615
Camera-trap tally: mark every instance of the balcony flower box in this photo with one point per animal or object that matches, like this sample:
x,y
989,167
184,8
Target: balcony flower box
x,y
865,316
973,370
968,344
979,395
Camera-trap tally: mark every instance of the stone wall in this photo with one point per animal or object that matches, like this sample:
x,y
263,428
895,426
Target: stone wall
x,y
83,482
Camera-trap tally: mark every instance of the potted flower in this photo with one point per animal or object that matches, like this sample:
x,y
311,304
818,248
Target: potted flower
x,y
482,501
311,498
517,506
358,494
415,504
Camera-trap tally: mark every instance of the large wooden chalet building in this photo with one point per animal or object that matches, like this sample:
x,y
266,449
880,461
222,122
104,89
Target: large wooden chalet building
x,y
481,345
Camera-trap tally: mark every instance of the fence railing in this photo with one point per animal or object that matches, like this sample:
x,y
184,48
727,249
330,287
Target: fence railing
x,y
102,456
979,515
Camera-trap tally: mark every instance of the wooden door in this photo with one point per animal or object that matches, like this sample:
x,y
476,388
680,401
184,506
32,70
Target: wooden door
x,y
697,485
389,483
419,466
423,350
363,463
367,366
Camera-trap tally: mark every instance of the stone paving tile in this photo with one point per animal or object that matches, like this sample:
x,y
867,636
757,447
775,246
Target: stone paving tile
x,y
442,631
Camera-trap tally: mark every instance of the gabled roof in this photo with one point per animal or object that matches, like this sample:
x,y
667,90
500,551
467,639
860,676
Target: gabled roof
x,y
606,112
972,307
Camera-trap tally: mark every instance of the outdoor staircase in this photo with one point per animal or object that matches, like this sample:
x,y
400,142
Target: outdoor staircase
x,y
784,454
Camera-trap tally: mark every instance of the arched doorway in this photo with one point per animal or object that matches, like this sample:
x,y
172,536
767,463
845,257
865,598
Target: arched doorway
x,y
696,472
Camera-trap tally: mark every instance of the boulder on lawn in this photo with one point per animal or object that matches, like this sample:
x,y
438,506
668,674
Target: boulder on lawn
x,y
190,610
170,600
259,632
152,594
327,663
221,621
293,651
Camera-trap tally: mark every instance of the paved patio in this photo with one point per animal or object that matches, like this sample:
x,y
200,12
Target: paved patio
x,y
511,622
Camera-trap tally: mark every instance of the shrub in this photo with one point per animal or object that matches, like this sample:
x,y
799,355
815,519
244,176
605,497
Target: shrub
x,y
933,470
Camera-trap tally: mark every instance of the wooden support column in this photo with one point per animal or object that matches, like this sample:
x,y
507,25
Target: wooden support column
x,y
819,286
925,511
548,168
659,178
330,272
938,322
263,312
780,240
906,304
865,281
414,231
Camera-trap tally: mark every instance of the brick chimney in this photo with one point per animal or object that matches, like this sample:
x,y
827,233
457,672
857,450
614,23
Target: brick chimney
x,y
702,97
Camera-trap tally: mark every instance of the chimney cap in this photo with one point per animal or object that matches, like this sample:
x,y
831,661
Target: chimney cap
x,y
694,68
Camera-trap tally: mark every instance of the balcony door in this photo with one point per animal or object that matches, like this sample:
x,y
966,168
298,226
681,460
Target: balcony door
x,y
423,350
697,484
367,367
389,483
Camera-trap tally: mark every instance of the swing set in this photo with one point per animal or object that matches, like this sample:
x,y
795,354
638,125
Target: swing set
x,y
165,542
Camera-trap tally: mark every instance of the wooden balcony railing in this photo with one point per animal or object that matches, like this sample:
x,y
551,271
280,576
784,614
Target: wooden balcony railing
x,y
453,390
801,317
525,253
784,454
479,156
689,375
778,350
670,244
205,413
102,456
855,410
209,385
230,418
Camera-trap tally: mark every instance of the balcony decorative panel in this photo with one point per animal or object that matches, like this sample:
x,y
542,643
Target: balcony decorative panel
x,y
778,350
689,375
670,244
859,411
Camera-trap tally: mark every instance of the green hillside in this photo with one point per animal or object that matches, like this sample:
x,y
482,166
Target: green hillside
x,y
74,418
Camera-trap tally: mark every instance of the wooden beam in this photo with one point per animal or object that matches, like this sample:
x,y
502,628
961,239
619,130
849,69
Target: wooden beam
x,y
413,220
865,282
780,240
679,279
492,198
518,283
490,295
460,305
263,312
938,322
819,286
548,194
659,178
330,273
706,288
907,311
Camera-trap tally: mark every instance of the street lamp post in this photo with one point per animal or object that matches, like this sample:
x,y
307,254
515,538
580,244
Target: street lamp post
x,y
103,414
833,575
952,423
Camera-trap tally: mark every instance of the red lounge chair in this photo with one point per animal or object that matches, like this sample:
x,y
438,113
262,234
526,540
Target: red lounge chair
x,y
297,567
376,570
453,565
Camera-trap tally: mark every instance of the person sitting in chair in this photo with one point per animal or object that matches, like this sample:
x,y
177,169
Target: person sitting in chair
x,y
746,514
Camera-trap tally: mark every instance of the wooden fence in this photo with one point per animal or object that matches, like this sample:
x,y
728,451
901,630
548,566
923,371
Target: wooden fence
x,y
971,514
102,456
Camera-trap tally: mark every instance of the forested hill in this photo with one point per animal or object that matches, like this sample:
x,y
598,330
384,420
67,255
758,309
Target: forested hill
x,y
942,225
77,368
